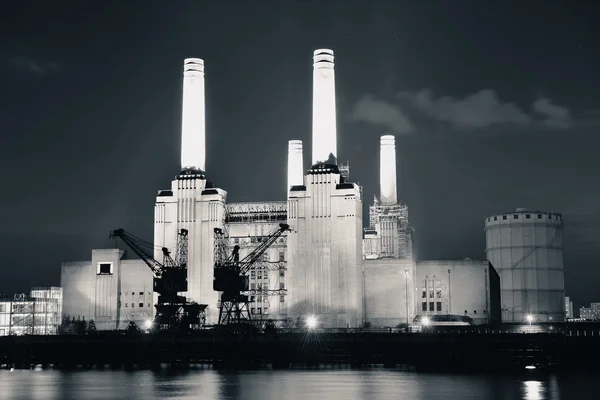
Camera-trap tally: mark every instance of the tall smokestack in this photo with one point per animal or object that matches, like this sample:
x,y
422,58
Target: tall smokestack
x,y
193,130
324,124
295,168
387,170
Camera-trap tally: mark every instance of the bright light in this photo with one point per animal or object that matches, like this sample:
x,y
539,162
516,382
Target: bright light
x,y
529,318
530,367
425,321
148,324
311,322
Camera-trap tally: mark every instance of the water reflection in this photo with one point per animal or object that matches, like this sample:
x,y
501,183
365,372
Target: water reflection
x,y
334,383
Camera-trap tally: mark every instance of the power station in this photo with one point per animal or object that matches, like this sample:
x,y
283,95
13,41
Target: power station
x,y
327,265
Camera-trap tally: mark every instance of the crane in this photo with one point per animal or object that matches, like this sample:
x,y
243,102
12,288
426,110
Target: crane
x,y
173,311
230,275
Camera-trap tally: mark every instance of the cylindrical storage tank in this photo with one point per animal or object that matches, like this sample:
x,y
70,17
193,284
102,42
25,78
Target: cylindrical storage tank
x,y
525,247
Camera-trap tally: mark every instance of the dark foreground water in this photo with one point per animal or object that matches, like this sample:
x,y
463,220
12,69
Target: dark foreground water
x,y
330,384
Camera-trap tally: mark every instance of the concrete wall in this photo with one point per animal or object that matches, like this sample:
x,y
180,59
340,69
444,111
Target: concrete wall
x,y
110,299
324,249
389,292
194,205
465,287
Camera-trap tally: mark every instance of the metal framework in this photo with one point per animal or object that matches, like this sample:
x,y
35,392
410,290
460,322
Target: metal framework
x,y
272,211
393,217
31,315
231,275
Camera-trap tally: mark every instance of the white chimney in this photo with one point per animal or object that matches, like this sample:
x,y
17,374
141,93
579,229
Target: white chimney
x,y
295,168
387,170
324,123
193,129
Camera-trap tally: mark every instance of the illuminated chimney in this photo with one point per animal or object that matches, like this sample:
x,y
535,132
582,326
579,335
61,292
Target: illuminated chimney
x,y
295,169
387,170
324,124
193,129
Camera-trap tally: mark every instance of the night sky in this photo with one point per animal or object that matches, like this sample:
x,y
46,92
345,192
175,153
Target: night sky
x,y
494,107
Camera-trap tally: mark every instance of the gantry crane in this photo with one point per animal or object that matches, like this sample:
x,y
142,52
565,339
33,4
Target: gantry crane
x,y
230,275
173,311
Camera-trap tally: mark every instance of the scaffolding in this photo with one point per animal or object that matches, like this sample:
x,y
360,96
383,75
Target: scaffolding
x,y
271,211
394,234
37,314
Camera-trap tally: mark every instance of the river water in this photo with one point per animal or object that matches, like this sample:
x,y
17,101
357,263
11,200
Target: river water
x,y
331,384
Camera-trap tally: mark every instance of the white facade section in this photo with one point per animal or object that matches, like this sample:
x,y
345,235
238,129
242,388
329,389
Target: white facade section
x,y
324,130
389,292
108,289
193,125
194,205
37,314
324,247
387,171
295,164
525,247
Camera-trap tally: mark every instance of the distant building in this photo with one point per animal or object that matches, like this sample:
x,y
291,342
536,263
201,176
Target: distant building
x,y
568,308
37,314
592,313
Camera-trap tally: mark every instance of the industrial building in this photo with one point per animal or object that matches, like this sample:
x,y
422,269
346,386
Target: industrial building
x,y
525,247
38,313
569,308
327,265
109,289
591,313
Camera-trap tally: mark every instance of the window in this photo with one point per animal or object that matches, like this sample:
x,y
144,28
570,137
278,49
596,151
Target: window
x,y
141,293
424,296
126,305
431,306
252,286
281,273
438,293
252,274
424,306
528,216
266,274
281,299
259,310
133,293
438,306
104,269
539,216
495,218
132,305
504,217
141,305
281,285
516,216
120,305
431,294
149,305
281,256
549,216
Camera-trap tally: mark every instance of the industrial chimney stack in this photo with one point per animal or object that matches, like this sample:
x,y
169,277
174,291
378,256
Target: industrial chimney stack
x,y
387,171
295,168
324,122
193,129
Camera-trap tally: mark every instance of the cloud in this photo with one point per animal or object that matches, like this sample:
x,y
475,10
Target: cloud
x,y
556,116
381,112
26,64
478,110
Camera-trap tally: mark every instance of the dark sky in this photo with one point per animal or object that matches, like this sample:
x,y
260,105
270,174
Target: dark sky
x,y
495,106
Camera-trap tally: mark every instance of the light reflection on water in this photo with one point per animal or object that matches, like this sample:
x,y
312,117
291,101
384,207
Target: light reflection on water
x,y
343,384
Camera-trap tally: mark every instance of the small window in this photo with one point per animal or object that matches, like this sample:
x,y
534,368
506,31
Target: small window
x,y
105,269
474,311
281,285
549,216
488,220
281,273
281,256
438,306
259,310
431,306
504,217
495,218
424,296
539,216
126,305
149,305
149,293
133,293
424,306
438,294
266,274
141,293
527,216
431,294
252,274
252,286
516,216
120,305
132,305
141,305
281,299
251,299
